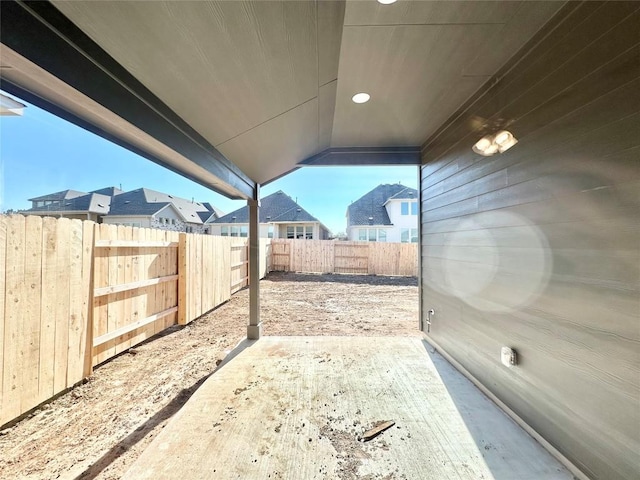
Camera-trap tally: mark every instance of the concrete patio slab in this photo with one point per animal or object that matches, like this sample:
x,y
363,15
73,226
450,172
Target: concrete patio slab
x,y
294,407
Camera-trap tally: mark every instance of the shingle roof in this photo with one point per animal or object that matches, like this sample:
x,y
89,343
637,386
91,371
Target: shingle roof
x,y
277,207
407,194
90,202
110,191
213,209
134,203
113,201
63,195
369,209
144,201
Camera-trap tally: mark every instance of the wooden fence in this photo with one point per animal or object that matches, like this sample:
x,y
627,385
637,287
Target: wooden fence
x,y
74,294
324,256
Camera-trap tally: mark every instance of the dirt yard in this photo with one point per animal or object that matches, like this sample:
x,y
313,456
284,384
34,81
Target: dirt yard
x,y
97,430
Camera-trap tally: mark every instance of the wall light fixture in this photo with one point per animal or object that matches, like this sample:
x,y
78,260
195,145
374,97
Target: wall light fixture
x,y
492,144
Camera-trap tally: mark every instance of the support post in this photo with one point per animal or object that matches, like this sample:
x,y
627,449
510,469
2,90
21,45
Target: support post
x,y
254,330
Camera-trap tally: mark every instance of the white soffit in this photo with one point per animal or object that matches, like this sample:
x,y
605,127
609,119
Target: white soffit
x,y
420,61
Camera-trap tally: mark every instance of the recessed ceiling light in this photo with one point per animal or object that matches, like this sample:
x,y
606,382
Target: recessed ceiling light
x,y
386,2
361,97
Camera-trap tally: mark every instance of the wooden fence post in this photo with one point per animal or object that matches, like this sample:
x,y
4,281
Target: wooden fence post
x,y
183,266
88,260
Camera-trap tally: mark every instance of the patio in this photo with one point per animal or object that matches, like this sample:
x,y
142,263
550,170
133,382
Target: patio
x,y
293,407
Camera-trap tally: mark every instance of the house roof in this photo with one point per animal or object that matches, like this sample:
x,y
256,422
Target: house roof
x,y
134,203
112,201
406,194
213,209
110,191
62,195
275,208
144,201
370,208
90,203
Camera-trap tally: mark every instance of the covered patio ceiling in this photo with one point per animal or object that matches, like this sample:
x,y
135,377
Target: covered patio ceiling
x,y
237,93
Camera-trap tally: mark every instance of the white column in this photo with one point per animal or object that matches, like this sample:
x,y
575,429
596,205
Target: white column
x,y
254,330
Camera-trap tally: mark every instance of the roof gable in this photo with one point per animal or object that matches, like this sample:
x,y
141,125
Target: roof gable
x,y
277,207
370,208
407,194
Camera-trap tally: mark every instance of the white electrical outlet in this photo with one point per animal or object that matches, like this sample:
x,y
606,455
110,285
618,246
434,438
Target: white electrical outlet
x,y
508,357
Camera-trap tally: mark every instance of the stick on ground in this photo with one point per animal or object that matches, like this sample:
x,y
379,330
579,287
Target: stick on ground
x,y
377,430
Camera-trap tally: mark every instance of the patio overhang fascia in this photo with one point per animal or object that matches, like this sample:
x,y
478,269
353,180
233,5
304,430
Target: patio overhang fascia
x,y
365,156
359,157
56,51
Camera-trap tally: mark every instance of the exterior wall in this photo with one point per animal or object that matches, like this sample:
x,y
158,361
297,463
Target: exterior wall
x,y
145,222
216,228
399,222
169,219
538,249
353,232
281,229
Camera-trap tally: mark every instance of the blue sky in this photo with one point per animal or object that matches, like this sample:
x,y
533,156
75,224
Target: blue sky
x,y
40,154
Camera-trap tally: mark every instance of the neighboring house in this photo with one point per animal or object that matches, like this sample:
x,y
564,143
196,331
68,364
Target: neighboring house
x,y
388,213
138,208
73,204
148,208
280,217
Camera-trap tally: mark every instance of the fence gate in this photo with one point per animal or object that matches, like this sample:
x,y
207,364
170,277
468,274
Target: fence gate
x,y
280,256
351,257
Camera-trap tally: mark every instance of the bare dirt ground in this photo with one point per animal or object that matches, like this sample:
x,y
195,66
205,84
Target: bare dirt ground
x,y
98,429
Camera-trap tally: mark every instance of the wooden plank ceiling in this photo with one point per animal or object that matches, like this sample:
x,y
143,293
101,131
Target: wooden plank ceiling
x,y
270,83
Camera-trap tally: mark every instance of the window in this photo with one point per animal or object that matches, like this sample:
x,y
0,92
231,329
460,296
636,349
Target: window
x,y
414,208
206,231
409,235
372,235
300,231
224,231
404,208
234,231
270,231
244,231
